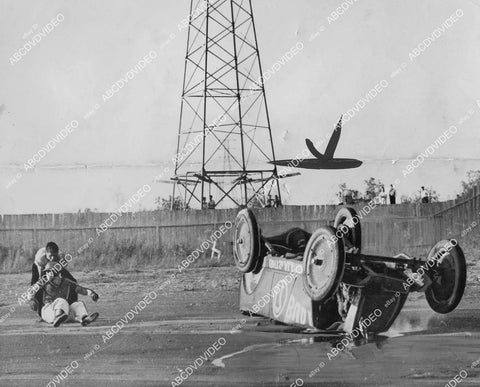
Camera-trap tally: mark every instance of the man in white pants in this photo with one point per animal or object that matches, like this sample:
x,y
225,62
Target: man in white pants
x,y
56,309
50,253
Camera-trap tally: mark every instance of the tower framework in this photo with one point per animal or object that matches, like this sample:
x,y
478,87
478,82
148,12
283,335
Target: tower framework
x,y
224,137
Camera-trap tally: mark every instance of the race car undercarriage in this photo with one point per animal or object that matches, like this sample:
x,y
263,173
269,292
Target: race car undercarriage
x,y
322,279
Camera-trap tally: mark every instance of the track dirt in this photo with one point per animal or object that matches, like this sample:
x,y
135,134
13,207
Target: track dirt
x,y
200,308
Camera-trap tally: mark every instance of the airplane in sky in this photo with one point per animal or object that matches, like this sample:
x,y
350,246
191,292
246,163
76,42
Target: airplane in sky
x,y
322,161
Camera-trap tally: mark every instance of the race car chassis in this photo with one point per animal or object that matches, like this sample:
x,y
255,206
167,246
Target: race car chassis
x,y
331,285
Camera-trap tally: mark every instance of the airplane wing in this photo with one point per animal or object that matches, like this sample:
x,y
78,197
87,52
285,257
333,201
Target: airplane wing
x,y
319,164
332,144
295,163
314,150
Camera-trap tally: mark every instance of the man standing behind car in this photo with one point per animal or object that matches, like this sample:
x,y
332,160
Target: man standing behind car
x,y
56,292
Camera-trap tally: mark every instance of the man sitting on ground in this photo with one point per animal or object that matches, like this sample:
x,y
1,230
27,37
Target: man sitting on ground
x,y
56,291
50,253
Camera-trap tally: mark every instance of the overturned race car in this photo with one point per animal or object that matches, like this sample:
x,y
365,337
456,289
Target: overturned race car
x,y
321,280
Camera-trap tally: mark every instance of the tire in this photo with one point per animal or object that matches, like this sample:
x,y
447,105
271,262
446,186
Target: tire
x,y
449,276
246,245
323,264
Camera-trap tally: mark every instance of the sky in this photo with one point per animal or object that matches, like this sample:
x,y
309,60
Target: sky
x,y
130,138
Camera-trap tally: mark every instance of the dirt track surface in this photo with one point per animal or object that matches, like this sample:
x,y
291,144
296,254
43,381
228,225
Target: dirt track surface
x,y
201,307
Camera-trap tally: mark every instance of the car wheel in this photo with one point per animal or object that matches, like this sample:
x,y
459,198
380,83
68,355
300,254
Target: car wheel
x,y
448,275
323,264
246,251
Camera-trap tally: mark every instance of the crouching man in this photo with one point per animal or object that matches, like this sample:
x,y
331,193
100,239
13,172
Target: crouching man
x,y
56,291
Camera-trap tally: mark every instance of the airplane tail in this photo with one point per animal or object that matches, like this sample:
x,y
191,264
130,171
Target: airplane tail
x,y
314,150
332,144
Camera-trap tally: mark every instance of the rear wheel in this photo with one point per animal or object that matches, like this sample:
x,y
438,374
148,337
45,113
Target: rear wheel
x,y
246,251
323,264
348,224
448,275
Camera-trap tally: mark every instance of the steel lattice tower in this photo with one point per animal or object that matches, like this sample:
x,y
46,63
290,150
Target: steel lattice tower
x,y
224,111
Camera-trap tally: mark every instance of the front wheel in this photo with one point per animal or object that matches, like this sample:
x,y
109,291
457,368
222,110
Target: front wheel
x,y
448,275
323,264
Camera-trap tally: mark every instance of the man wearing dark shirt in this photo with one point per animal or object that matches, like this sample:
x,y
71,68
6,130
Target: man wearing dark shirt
x,y
56,292
393,194
50,253
211,203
